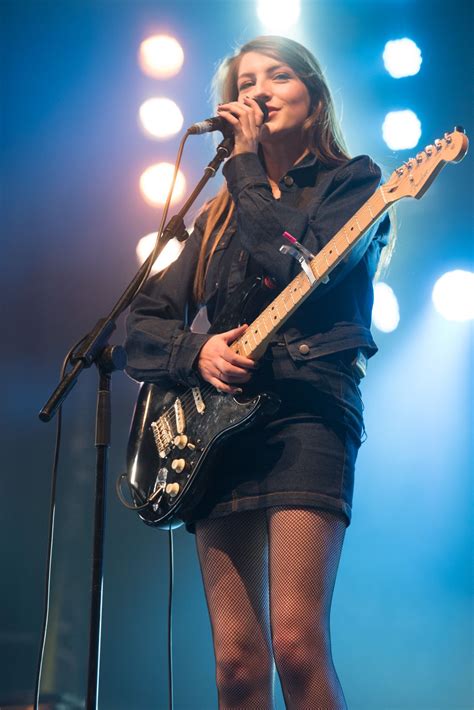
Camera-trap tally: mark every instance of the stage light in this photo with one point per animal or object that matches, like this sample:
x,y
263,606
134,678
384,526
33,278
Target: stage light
x,y
155,183
385,313
402,57
453,295
401,129
160,118
169,254
278,15
160,56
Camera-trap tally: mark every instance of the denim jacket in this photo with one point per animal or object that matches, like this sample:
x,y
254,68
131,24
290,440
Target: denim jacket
x,y
315,202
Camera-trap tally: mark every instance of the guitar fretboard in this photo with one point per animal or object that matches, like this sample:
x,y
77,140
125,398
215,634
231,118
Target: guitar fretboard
x,y
259,333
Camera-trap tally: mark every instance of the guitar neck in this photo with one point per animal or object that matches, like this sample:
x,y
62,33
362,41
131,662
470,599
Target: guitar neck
x,y
260,332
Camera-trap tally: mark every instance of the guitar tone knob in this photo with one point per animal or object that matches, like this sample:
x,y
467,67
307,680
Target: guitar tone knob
x,y
178,465
172,489
181,441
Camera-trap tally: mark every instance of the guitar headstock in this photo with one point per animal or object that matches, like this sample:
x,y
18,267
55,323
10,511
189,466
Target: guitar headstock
x,y
414,177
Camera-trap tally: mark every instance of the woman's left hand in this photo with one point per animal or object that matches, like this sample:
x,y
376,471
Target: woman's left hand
x,y
246,119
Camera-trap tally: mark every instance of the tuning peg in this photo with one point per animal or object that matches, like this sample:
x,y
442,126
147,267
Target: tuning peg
x,y
438,144
459,129
429,150
419,157
399,171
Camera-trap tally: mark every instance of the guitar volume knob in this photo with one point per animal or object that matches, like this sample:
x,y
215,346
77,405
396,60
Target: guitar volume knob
x,y
178,465
181,441
172,489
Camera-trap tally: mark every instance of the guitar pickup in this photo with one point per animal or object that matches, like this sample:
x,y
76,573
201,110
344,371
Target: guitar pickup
x,y
179,415
302,255
198,400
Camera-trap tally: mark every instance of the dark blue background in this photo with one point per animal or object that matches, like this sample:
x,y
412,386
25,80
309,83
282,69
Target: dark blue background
x,y
72,154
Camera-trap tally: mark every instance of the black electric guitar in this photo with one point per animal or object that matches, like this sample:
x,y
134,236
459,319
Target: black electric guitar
x,y
175,434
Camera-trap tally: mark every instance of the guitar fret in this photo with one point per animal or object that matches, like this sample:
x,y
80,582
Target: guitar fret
x,y
264,325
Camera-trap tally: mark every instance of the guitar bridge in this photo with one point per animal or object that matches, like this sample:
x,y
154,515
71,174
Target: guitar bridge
x,y
162,435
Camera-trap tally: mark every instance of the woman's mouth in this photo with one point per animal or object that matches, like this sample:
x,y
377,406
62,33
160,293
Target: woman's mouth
x,y
272,111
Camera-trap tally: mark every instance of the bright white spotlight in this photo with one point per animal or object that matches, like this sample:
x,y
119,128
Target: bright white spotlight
x,y
278,15
169,254
402,57
401,129
453,295
155,183
160,118
160,56
385,313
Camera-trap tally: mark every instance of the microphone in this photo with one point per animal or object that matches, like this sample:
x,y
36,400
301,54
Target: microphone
x,y
217,123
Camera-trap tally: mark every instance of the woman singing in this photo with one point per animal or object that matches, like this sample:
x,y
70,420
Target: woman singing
x,y
270,530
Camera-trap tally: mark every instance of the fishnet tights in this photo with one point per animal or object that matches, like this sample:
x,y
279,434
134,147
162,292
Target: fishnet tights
x,y
269,577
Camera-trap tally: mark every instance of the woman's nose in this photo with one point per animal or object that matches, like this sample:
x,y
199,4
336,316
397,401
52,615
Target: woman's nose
x,y
262,93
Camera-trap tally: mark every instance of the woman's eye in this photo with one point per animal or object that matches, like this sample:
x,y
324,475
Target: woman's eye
x,y
245,85
281,75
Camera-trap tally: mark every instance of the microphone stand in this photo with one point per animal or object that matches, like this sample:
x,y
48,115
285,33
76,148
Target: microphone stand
x,y
95,350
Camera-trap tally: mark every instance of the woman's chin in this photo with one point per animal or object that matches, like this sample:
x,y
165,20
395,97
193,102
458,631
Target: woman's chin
x,y
274,134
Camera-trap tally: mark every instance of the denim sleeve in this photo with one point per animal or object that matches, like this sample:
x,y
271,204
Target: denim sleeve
x,y
159,343
262,219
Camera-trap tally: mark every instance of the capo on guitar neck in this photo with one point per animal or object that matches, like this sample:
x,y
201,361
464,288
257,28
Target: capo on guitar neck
x,y
302,256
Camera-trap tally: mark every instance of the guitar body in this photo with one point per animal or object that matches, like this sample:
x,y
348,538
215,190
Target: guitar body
x,y
176,433
182,462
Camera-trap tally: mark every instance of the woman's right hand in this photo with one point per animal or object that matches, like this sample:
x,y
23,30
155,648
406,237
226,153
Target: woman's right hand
x,y
219,365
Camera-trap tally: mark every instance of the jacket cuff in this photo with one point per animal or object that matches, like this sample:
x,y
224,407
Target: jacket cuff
x,y
184,351
243,170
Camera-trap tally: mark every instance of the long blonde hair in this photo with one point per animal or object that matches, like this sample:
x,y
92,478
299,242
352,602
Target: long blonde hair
x,y
321,129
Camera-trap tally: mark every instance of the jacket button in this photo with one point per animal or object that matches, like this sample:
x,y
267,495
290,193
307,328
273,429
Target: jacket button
x,y
304,349
288,180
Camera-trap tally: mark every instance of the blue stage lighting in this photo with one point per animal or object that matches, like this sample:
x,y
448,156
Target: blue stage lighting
x,y
453,295
402,57
401,129
385,313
